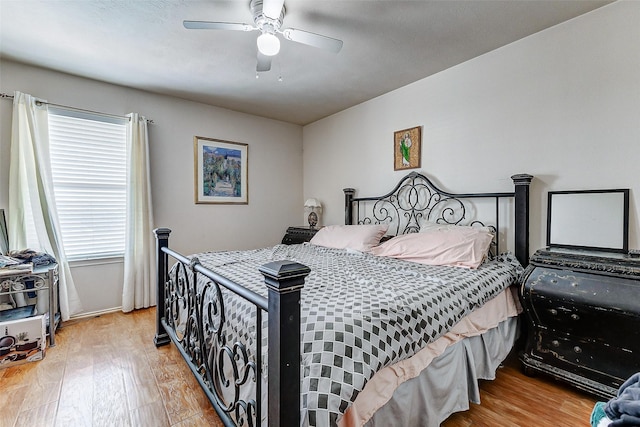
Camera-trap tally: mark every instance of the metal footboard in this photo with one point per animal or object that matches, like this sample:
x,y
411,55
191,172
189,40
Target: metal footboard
x,y
194,316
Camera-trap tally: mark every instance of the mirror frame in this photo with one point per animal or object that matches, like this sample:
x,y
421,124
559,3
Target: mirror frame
x,y
623,247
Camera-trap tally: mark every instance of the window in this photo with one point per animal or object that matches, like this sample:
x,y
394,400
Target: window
x,y
88,163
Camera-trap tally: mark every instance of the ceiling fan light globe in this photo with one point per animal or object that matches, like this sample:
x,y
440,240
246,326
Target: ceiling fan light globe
x,y
268,44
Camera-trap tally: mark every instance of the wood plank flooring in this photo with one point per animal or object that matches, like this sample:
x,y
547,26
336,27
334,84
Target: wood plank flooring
x,y
105,371
516,400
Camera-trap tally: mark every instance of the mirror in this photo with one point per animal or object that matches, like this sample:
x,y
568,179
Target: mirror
x,y
4,236
590,219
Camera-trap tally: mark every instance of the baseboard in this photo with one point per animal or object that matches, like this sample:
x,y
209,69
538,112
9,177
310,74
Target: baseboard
x,y
94,313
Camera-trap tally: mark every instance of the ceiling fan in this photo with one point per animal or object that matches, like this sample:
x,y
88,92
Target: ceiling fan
x,y
267,18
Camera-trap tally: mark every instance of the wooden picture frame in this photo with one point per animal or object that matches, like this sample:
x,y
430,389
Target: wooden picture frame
x,y
406,148
220,171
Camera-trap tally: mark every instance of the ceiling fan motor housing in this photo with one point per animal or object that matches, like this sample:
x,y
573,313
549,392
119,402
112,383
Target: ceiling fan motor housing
x,y
263,22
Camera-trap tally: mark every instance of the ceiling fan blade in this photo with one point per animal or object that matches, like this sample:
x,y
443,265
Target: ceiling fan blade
x,y
272,8
264,62
208,25
313,39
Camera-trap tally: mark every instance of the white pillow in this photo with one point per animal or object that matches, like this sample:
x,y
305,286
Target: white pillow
x,y
359,237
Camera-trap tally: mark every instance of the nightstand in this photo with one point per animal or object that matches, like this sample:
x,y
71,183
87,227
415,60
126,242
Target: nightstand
x,y
583,315
296,235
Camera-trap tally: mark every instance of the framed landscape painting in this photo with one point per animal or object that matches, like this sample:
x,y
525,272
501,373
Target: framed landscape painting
x,y
220,171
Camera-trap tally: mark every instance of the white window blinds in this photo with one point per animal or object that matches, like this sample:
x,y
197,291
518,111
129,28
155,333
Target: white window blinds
x,y
88,162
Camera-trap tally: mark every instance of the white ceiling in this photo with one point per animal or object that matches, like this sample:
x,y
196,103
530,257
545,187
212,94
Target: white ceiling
x,y
387,44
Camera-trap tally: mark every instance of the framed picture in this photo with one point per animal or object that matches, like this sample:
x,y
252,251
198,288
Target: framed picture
x,y
406,148
220,171
589,219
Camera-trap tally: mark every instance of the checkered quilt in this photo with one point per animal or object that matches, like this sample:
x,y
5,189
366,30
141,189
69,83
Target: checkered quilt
x,y
360,312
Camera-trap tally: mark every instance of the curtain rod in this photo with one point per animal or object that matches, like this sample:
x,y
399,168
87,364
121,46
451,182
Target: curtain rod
x,y
8,96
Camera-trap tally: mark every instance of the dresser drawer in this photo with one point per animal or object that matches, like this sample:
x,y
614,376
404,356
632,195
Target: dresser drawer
x,y
610,365
597,308
620,293
582,311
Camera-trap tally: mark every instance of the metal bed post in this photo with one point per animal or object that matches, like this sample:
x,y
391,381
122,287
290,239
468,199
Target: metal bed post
x,y
162,241
348,209
522,182
284,280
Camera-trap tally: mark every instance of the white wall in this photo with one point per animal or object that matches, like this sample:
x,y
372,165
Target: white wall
x,y
275,169
563,105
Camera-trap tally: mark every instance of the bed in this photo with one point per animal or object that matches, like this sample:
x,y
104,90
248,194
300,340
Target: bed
x,y
327,333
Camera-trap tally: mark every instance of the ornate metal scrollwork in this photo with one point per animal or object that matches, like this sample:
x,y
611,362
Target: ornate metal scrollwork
x,y
413,202
19,283
196,311
416,200
176,299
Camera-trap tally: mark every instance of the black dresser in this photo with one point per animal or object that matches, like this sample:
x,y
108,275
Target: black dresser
x,y
583,318
296,235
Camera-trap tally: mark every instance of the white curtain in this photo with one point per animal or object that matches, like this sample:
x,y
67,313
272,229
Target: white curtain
x,y
31,195
139,256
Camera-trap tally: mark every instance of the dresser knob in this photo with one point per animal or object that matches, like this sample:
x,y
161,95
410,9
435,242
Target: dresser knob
x,y
555,343
575,316
554,281
574,284
553,312
577,349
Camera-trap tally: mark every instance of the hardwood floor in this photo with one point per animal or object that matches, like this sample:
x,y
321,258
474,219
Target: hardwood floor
x,y
516,400
105,371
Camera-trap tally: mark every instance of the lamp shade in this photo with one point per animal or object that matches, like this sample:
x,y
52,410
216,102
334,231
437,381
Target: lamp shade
x,y
268,44
312,203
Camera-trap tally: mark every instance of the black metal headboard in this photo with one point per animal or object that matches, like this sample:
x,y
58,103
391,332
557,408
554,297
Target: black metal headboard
x,y
415,200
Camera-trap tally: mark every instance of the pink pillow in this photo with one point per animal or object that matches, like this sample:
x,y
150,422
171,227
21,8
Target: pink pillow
x,y
358,237
429,226
458,246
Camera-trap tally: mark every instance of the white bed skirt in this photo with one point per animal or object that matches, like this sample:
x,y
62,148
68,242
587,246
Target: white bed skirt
x,y
450,382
